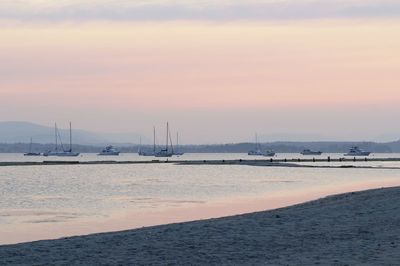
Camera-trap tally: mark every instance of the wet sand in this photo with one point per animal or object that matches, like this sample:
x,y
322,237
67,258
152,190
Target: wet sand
x,y
351,228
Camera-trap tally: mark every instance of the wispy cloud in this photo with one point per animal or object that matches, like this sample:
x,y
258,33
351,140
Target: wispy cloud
x,y
223,10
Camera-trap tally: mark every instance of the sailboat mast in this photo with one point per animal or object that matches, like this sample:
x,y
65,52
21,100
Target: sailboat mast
x,y
166,147
257,148
30,147
172,146
70,137
55,134
177,141
154,140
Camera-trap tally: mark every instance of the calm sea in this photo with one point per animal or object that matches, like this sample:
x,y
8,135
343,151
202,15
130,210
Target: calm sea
x,y
38,202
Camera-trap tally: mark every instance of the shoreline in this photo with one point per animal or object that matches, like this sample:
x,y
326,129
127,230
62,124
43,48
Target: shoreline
x,y
354,227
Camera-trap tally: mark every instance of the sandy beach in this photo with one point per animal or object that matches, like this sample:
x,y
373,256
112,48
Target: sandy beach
x,y
346,229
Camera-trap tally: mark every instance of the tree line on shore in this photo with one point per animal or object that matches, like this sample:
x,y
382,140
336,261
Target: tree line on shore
x,y
282,147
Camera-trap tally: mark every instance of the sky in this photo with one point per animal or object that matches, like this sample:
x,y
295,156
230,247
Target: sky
x,y
218,71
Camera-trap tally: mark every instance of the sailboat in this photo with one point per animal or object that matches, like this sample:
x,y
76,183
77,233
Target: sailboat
x,y
148,153
62,153
165,152
30,153
177,145
257,150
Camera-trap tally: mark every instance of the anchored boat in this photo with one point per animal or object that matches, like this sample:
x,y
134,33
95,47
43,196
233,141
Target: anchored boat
x,y
355,151
63,152
30,153
165,152
257,150
109,150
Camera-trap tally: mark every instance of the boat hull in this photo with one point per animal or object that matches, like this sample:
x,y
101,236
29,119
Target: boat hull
x,y
311,153
269,154
115,153
146,153
61,154
364,153
255,153
32,154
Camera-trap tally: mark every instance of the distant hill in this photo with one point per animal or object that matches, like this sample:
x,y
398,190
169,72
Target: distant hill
x,y
21,132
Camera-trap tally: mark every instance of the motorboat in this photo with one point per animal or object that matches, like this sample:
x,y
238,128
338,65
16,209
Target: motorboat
x,y
310,152
109,150
355,151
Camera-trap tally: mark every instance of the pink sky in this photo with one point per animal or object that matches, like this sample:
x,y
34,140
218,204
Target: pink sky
x,y
107,72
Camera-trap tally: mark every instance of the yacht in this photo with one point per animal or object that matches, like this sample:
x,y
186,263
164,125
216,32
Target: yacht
x,y
355,151
109,150
63,153
310,152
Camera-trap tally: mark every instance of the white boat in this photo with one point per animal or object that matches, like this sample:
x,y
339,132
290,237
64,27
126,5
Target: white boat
x,y
257,150
30,153
109,150
269,153
165,152
310,152
63,153
355,151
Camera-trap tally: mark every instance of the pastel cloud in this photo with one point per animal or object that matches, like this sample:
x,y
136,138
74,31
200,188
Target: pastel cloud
x,y
224,10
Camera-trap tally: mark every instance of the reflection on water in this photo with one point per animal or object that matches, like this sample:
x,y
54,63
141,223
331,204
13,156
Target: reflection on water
x,y
34,198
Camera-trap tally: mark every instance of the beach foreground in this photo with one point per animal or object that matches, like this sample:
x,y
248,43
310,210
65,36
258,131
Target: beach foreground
x,y
351,228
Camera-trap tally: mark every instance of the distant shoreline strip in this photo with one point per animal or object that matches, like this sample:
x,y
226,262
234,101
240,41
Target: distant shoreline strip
x,y
264,162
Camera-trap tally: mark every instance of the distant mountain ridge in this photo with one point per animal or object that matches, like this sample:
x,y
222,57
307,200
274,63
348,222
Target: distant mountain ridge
x,y
21,132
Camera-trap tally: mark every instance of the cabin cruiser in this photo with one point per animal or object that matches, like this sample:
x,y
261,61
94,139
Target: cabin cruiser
x,y
310,152
355,151
109,150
